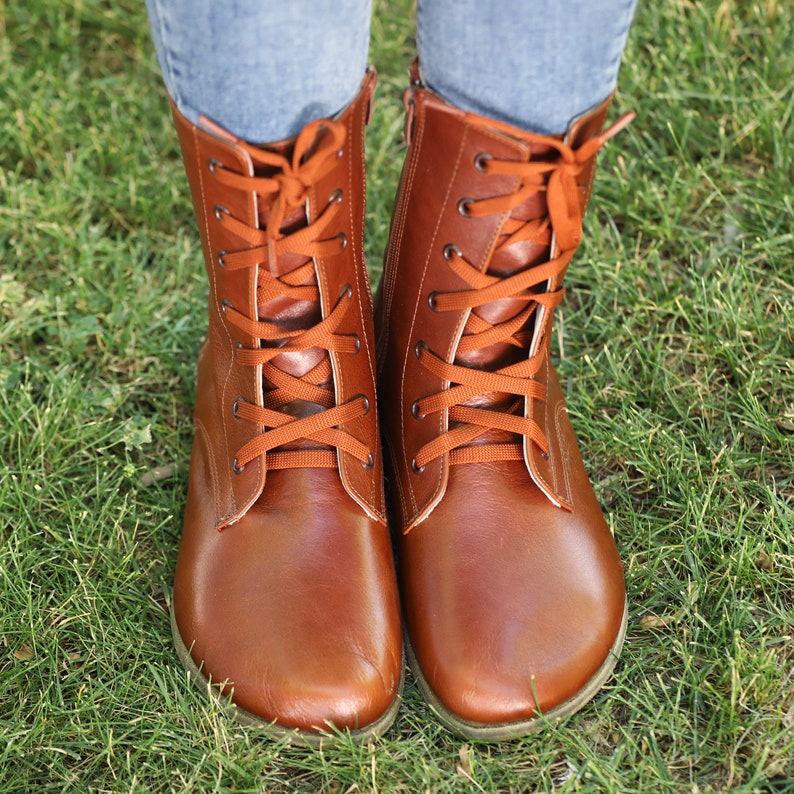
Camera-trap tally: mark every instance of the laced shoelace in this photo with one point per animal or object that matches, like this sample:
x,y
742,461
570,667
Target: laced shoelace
x,y
281,191
557,176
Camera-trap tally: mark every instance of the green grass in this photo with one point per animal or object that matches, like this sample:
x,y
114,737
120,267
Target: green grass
x,y
676,343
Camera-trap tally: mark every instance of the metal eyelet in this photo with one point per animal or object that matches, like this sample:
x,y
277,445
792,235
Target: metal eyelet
x,y
420,346
366,402
219,211
416,469
343,237
431,301
369,463
481,160
340,153
450,250
358,344
347,292
225,305
464,207
544,455
236,407
415,411
336,196
222,254
236,468
214,165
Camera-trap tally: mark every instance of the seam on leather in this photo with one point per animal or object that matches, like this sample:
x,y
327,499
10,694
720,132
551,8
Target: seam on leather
x,y
396,480
357,126
214,296
430,246
534,470
202,436
405,197
393,246
357,255
564,454
419,134
354,253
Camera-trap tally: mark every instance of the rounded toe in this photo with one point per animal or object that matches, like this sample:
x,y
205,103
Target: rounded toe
x,y
514,681
520,611
300,629
312,700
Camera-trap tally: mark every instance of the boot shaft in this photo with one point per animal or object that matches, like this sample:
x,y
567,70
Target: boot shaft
x,y
282,233
486,221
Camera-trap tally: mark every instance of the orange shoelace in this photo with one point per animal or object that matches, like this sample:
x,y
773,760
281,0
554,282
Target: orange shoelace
x,y
556,175
281,190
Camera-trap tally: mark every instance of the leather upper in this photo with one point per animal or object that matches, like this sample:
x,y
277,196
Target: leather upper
x,y
512,588
285,590
226,382
446,147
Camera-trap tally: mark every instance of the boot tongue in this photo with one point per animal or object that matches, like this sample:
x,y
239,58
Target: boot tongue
x,y
290,314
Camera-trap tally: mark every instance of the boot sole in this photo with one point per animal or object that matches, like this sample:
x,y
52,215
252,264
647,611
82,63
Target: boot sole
x,y
500,731
273,729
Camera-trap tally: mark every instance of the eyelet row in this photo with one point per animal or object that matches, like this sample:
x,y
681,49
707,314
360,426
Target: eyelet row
x,y
219,211
481,164
419,348
449,251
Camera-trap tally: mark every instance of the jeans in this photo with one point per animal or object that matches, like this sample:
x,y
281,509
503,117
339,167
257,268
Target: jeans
x,y
263,70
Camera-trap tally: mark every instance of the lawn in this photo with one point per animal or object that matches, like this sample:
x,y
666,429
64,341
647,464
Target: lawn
x,y
675,344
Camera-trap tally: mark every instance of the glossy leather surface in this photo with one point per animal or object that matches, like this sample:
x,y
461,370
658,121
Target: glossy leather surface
x,y
512,587
285,590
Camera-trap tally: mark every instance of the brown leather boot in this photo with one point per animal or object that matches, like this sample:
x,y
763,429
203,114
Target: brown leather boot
x,y
285,597
513,591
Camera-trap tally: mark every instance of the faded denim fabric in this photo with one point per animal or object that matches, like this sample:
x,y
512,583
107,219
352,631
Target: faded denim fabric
x,y
264,69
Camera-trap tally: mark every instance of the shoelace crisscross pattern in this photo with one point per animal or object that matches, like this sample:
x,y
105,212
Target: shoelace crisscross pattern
x,y
557,175
283,189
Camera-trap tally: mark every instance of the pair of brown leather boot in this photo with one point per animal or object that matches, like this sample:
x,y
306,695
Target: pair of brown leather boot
x,y
285,596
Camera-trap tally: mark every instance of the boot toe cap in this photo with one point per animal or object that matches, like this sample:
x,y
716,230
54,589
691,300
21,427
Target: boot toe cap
x,y
346,689
515,679
316,701
516,612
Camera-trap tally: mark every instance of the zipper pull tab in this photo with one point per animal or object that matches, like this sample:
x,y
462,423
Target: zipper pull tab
x,y
409,103
371,78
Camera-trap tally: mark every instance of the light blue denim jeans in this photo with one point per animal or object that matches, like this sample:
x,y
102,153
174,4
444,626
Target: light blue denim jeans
x,y
264,69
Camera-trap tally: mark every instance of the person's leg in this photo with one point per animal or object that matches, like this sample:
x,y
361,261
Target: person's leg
x,y
536,64
285,596
512,587
261,70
